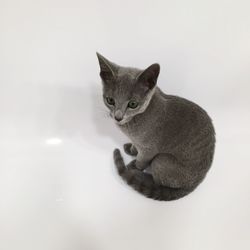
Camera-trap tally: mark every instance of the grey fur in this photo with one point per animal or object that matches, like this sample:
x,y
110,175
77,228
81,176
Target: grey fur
x,y
172,138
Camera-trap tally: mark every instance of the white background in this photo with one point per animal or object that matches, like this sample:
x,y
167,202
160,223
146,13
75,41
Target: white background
x,y
58,186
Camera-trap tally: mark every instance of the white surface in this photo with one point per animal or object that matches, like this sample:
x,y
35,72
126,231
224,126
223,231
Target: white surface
x,y
58,186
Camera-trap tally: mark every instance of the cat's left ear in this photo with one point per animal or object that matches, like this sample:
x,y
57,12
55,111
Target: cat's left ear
x,y
108,70
149,76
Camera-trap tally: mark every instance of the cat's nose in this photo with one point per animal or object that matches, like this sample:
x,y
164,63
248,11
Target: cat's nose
x,y
118,115
118,119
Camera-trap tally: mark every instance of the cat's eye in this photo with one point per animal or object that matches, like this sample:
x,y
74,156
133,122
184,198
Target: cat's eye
x,y
132,104
110,101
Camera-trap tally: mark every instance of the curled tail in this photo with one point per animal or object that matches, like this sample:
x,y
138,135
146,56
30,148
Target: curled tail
x,y
144,183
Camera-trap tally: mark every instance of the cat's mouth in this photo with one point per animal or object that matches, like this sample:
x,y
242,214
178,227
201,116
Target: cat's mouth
x,y
123,121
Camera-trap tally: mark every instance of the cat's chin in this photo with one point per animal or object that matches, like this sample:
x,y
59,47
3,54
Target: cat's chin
x,y
123,122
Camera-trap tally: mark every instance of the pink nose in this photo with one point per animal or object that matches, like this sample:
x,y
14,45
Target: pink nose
x,y
118,119
118,115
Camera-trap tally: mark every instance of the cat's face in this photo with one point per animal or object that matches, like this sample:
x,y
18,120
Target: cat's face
x,y
126,91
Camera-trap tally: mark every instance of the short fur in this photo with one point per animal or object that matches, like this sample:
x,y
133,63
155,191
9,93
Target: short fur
x,y
172,138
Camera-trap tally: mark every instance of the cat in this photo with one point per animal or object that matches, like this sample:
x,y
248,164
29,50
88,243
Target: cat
x,y
173,139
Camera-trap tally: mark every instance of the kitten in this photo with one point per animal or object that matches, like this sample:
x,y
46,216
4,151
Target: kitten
x,y
173,139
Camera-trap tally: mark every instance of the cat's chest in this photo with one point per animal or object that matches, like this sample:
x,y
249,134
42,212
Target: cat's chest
x,y
139,132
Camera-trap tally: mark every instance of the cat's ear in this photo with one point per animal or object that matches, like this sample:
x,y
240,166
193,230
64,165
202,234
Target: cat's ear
x,y
149,76
108,70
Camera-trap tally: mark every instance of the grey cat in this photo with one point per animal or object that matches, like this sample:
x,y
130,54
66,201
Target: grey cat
x,y
173,139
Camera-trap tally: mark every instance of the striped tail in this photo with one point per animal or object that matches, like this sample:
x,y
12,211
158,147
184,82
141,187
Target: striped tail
x,y
144,183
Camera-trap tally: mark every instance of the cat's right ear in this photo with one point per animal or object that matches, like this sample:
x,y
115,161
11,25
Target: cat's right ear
x,y
108,70
148,77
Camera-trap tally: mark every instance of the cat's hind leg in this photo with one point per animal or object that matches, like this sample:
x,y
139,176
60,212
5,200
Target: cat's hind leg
x,y
144,182
130,149
167,171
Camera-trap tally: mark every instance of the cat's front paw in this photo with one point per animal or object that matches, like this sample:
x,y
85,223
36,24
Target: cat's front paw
x,y
131,165
130,149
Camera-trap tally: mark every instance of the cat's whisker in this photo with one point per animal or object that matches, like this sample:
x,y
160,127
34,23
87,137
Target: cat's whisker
x,y
104,112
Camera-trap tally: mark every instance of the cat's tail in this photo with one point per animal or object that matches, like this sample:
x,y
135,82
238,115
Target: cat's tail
x,y
144,183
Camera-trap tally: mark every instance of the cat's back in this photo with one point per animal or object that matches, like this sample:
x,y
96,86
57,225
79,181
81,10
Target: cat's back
x,y
181,109
183,121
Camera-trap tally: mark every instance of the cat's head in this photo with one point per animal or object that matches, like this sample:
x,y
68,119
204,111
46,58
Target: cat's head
x,y
126,91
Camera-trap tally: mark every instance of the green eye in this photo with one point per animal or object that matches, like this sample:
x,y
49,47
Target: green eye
x,y
132,104
110,101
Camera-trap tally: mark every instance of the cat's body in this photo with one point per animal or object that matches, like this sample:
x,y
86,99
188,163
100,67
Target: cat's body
x,y
172,138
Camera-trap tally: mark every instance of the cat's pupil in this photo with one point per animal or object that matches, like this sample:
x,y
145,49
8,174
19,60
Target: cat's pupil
x,y
132,104
110,101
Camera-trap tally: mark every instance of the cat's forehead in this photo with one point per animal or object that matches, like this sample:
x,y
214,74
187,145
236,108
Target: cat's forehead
x,y
129,71
128,75
125,79
125,83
